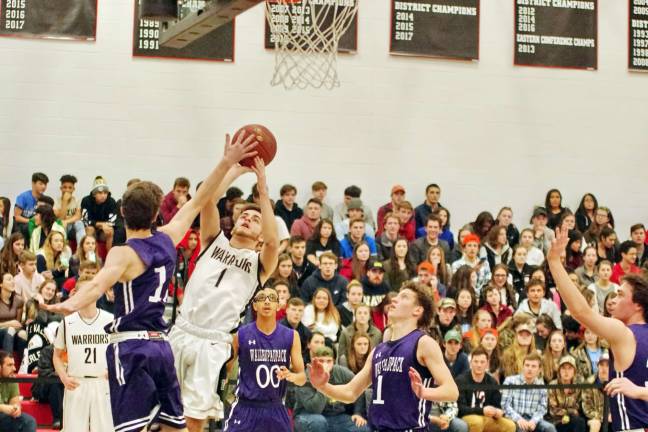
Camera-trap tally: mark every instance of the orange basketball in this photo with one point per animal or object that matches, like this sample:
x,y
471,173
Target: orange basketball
x,y
267,147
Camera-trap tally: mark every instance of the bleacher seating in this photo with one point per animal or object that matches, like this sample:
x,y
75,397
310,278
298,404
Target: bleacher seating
x,y
40,411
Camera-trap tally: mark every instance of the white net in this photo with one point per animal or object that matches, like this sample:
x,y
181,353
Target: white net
x,y
306,34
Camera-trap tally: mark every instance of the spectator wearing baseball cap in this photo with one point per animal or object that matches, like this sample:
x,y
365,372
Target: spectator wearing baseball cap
x,y
564,404
470,257
455,358
542,235
374,285
426,274
594,398
355,210
341,210
99,212
397,196
444,320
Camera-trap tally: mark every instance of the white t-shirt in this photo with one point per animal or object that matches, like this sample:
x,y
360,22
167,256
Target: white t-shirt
x,y
72,207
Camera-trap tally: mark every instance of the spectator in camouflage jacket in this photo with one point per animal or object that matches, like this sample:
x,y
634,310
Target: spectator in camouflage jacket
x,y
593,399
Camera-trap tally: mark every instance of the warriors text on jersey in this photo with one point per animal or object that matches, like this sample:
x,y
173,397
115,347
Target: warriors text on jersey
x,y
85,342
221,286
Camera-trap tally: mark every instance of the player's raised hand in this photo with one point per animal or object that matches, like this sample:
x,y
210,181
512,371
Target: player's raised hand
x,y
259,170
318,375
417,382
558,245
240,149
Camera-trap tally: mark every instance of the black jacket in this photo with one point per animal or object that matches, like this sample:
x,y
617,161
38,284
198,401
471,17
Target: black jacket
x,y
303,332
337,287
93,212
472,402
288,216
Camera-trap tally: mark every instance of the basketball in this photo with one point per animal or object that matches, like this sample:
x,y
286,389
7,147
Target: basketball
x,y
267,147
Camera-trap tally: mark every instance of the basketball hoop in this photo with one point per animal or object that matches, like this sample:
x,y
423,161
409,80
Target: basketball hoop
x,y
306,34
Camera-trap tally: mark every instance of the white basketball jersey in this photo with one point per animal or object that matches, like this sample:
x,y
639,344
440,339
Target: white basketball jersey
x,y
221,286
86,342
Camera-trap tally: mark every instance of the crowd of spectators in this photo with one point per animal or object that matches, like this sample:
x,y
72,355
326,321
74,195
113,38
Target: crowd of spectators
x,y
499,317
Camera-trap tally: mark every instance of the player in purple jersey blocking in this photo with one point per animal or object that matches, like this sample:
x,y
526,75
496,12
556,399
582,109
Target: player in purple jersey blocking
x,y
406,372
269,355
626,331
143,381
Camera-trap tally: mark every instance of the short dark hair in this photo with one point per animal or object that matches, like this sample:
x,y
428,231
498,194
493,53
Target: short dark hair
x,y
315,333
479,350
233,193
314,200
625,247
353,191
68,178
533,356
287,188
424,299
639,286
606,232
296,239
430,186
296,301
636,227
3,356
182,182
251,206
140,205
319,185
535,282
40,177
46,199
433,217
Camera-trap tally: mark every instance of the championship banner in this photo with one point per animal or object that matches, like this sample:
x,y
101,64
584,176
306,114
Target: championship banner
x,y
49,19
435,28
348,42
215,46
556,33
638,26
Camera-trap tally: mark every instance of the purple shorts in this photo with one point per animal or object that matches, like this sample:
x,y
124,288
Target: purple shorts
x,y
143,385
254,416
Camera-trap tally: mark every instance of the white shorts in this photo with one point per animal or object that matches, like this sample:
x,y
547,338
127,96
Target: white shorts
x,y
198,362
87,407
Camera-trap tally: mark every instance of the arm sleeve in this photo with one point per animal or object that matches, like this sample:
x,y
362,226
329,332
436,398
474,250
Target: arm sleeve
x,y
541,408
310,399
41,264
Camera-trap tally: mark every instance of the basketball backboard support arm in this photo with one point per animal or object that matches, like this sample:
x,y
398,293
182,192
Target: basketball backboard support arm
x,y
197,24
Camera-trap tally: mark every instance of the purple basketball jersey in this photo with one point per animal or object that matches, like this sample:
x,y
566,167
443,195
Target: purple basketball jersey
x,y
394,405
632,413
139,304
260,357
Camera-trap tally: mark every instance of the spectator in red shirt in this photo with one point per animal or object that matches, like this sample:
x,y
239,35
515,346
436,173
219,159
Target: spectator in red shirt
x,y
397,196
175,199
628,251
305,225
379,312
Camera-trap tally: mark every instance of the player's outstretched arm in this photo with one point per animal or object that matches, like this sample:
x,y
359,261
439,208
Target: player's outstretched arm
x,y
116,265
270,250
346,393
429,354
611,329
234,152
209,215
296,375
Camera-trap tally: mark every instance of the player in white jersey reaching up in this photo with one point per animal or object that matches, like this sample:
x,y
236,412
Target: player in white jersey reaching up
x,y
86,403
227,274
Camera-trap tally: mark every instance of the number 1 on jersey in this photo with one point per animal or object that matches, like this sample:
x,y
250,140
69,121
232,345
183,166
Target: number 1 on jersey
x,y
220,278
379,400
157,297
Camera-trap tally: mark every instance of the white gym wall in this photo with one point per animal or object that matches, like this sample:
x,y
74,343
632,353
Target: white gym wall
x,y
489,133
